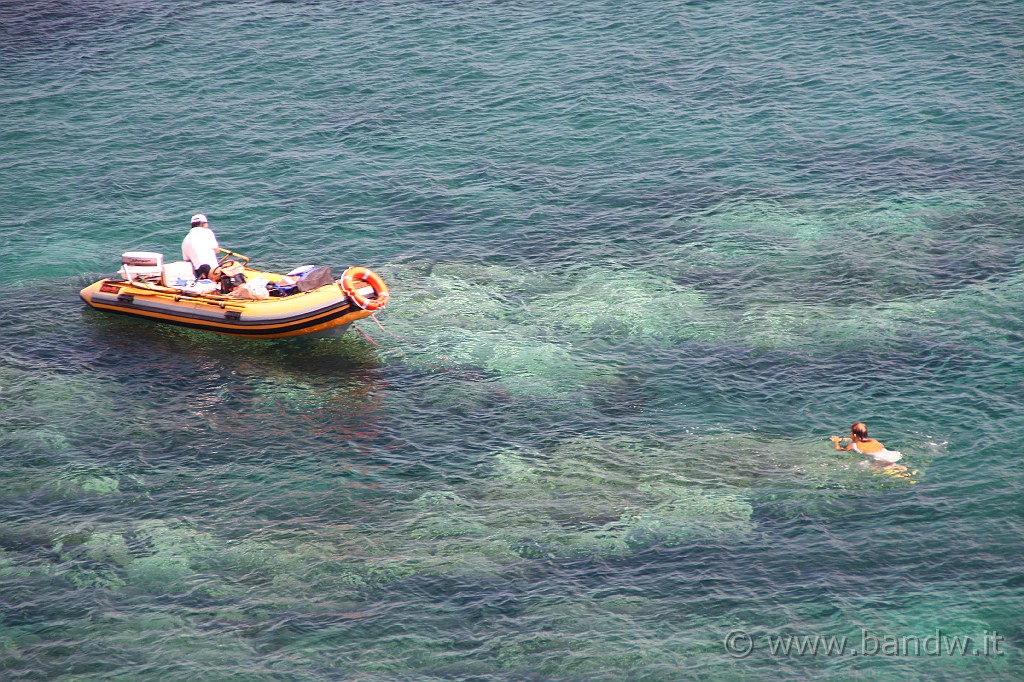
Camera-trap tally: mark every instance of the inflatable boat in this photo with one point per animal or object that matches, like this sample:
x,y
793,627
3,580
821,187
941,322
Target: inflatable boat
x,y
247,302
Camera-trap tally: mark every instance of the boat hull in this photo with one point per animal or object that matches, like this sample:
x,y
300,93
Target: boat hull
x,y
326,311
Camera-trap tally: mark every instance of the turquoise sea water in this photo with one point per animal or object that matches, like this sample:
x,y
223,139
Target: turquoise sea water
x,y
645,258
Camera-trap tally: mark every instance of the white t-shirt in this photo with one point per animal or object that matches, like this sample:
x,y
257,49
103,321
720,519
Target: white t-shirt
x,y
200,247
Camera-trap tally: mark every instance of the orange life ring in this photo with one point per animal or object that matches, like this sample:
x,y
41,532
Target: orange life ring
x,y
351,283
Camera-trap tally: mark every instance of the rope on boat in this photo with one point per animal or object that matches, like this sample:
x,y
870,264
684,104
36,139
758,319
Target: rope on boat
x,y
366,336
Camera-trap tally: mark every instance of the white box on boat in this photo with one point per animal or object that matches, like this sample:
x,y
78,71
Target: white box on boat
x,y
178,270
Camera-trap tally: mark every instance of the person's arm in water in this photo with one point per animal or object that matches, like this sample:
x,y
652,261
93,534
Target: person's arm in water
x,y
836,440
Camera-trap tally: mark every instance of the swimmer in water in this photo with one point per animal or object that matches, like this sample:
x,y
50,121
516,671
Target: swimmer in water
x,y
868,446
861,443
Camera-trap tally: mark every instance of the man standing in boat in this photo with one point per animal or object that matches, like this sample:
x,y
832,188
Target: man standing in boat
x,y
200,247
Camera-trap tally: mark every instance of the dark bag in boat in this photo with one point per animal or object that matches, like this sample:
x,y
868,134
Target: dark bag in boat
x,y
229,283
232,276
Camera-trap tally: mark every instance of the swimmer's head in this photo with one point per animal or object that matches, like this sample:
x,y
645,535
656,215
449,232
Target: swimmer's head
x,y
860,430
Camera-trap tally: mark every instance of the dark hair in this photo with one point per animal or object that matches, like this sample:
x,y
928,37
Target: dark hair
x,y
859,429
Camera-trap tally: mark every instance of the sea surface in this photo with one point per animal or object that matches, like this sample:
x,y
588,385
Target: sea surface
x,y
645,258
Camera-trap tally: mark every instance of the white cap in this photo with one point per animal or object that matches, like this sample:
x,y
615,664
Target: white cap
x,y
199,218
